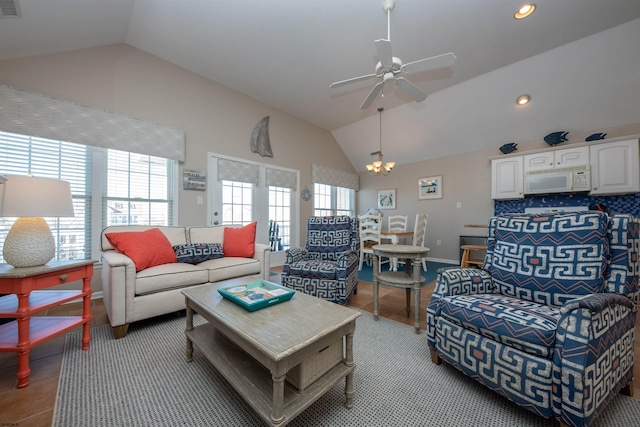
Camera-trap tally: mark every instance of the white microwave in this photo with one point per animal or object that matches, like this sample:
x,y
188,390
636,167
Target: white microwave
x,y
560,180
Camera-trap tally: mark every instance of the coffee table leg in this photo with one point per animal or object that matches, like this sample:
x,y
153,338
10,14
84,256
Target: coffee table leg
x,y
348,383
277,411
189,351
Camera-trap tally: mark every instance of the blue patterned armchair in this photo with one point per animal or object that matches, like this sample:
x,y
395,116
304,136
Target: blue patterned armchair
x,y
328,266
549,320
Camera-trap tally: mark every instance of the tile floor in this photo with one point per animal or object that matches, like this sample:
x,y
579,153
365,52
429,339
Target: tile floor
x,y
33,406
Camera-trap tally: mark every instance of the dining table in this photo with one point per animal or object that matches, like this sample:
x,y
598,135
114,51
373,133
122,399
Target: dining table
x,y
395,236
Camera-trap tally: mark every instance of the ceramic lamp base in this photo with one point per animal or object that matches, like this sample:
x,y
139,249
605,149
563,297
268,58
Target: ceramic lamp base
x,y
29,243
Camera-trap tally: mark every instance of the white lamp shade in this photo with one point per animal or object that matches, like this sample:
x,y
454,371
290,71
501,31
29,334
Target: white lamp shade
x,y
35,197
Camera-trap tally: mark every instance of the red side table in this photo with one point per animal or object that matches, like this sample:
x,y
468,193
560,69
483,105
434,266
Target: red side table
x,y
27,297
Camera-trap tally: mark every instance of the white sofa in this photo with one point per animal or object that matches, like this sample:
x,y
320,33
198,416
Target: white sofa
x,y
130,296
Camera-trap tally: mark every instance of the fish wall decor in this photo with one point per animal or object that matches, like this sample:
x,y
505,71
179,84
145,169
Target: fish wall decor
x,y
509,148
596,137
556,138
260,139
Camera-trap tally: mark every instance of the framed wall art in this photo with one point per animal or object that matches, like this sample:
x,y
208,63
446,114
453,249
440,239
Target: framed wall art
x,y
430,188
387,199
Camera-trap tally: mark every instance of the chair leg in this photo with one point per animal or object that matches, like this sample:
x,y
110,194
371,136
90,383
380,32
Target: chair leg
x,y
627,390
434,357
120,331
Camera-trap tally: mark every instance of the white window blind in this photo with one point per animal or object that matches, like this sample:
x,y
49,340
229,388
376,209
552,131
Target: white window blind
x,y
136,190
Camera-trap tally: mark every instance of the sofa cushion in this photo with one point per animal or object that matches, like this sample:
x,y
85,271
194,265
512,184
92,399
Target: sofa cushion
x,y
548,258
525,325
195,253
145,248
230,267
318,269
175,235
169,276
240,242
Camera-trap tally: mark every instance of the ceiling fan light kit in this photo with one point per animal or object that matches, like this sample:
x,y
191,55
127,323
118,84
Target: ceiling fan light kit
x,y
390,68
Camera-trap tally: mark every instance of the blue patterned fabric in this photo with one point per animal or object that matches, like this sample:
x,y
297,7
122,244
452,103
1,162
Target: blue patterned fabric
x,y
549,321
516,375
549,258
622,274
195,253
524,325
327,267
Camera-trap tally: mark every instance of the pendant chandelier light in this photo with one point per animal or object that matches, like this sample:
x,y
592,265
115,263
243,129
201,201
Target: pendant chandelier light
x,y
377,168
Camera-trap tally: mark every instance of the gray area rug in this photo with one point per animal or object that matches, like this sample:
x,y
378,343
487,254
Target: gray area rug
x,y
144,380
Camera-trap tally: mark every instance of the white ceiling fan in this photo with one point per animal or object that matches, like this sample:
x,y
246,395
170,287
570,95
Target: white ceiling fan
x,y
390,68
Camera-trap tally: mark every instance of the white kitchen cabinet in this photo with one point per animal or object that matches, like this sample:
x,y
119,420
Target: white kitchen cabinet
x,y
507,178
615,167
568,157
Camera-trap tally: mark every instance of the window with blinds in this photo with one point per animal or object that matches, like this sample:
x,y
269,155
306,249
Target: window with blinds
x,y
23,155
329,200
136,188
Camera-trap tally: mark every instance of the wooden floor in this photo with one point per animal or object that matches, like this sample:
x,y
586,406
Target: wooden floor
x,y
33,406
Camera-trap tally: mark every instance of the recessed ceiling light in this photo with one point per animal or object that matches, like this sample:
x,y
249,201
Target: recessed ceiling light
x,y
523,99
525,11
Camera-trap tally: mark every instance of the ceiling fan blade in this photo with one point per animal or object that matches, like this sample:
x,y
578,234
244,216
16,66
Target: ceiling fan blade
x,y
432,63
410,89
353,80
384,53
372,95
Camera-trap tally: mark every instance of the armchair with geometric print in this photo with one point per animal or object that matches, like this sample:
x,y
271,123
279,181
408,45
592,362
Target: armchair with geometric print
x,y
327,267
549,320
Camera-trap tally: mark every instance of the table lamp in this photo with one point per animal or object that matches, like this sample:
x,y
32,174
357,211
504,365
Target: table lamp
x,y
29,242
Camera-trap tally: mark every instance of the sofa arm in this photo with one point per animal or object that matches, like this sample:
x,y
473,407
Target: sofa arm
x,y
594,356
346,259
262,253
346,263
295,255
454,281
118,286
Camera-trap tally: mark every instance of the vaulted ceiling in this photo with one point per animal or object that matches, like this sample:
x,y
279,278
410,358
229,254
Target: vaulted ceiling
x,y
575,57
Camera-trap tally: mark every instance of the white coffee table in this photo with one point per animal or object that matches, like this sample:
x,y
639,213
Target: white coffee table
x,y
241,344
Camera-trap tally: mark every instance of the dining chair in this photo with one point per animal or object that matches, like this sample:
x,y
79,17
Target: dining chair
x,y
398,222
370,227
419,234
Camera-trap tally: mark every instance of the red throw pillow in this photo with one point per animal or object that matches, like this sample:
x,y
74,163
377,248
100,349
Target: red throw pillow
x,y
146,248
240,242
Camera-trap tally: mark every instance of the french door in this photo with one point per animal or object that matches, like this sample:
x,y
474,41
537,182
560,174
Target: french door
x,y
242,191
